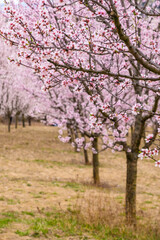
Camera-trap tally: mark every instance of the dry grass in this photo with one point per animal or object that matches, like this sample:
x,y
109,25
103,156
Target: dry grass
x,y
38,173
95,207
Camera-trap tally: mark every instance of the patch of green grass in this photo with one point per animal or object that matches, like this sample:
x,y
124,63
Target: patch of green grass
x,y
83,166
8,217
37,196
40,161
55,193
66,224
28,213
119,197
53,224
4,222
50,223
22,233
148,202
11,201
11,214
75,186
39,226
2,198
36,235
148,193
56,183
144,208
19,190
41,192
44,162
29,185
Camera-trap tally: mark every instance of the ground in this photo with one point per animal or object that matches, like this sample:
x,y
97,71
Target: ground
x,y
46,191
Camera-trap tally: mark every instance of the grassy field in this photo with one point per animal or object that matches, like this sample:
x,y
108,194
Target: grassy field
x,y
46,191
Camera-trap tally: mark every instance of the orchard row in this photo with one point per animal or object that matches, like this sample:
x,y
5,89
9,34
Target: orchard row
x,y
92,67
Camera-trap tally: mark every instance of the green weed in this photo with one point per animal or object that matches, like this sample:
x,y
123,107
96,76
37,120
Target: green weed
x,y
8,217
28,213
22,233
2,198
148,202
75,186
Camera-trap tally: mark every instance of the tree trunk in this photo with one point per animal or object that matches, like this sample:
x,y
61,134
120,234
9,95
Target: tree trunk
x,y
23,120
29,121
76,136
9,123
16,121
72,135
86,159
131,188
96,177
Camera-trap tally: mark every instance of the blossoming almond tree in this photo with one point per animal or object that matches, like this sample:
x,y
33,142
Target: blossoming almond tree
x,y
71,110
13,98
109,50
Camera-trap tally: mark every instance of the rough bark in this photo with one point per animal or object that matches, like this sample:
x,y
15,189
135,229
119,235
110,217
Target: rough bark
x,y
16,121
71,134
9,122
86,159
75,136
29,121
131,180
96,177
23,120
